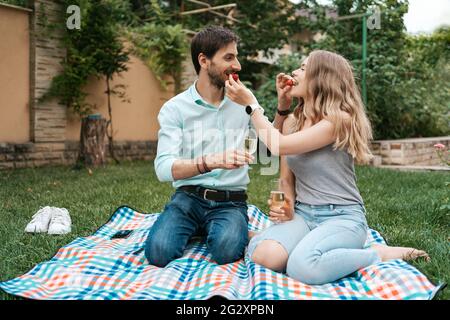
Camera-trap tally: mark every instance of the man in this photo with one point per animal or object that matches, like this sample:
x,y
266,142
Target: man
x,y
200,149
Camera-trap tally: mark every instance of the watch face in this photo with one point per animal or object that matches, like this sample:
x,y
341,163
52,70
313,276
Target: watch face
x,y
248,109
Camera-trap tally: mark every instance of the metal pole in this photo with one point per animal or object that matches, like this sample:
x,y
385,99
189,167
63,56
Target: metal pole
x,y
364,58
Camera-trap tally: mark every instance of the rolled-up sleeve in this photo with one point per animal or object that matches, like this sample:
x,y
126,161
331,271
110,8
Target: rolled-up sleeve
x,y
169,142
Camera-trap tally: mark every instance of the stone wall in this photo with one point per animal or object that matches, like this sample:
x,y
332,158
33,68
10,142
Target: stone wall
x,y
123,150
13,156
48,118
411,152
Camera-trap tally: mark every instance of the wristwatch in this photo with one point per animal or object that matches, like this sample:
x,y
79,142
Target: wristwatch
x,y
252,107
283,112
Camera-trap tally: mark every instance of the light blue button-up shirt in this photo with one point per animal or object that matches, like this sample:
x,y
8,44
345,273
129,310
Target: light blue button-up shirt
x,y
190,127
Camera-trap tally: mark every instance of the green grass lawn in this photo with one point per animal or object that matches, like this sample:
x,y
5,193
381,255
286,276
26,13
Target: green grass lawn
x,y
406,207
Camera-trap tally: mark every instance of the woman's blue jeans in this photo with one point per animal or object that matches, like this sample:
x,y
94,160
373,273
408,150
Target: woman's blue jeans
x,y
223,224
324,243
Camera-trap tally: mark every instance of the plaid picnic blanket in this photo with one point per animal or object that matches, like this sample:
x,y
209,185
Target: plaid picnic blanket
x,y
106,266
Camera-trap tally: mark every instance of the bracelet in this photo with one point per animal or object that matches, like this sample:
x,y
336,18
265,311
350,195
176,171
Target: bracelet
x,y
198,168
204,164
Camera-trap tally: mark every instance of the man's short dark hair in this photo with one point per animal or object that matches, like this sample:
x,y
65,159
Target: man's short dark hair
x,y
209,41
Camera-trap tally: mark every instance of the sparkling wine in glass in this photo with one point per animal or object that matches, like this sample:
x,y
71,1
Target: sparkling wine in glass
x,y
277,198
250,144
277,195
250,141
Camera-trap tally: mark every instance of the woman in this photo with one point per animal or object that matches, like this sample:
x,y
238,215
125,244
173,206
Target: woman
x,y
323,233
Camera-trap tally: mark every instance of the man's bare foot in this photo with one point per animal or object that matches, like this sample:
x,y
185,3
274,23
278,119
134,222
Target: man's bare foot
x,y
389,253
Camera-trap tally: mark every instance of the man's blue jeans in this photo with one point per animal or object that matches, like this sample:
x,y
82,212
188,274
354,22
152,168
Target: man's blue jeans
x,y
224,225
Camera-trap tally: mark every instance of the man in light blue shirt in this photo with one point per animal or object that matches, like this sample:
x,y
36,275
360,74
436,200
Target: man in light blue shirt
x,y
201,150
191,127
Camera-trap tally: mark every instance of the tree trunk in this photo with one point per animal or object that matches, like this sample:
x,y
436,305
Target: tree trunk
x,y
92,141
110,123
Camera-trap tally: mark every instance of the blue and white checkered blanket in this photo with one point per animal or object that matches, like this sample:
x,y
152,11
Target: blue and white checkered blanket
x,y
102,267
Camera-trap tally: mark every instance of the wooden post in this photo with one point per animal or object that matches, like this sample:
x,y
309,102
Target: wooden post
x,y
92,141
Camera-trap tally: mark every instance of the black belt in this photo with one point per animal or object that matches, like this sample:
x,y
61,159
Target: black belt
x,y
216,195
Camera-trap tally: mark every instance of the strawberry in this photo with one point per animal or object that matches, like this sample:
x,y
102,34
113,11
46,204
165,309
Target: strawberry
x,y
235,76
290,82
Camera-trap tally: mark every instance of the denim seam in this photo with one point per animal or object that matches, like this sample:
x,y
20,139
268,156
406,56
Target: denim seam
x,y
364,250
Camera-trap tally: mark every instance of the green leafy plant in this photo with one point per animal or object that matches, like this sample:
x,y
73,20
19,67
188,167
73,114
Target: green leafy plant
x,y
78,65
163,48
95,50
402,70
262,25
105,46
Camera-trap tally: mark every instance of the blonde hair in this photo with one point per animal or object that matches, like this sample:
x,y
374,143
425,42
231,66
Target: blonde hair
x,y
331,89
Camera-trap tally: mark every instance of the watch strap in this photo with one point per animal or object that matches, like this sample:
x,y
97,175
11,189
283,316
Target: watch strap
x,y
283,112
253,108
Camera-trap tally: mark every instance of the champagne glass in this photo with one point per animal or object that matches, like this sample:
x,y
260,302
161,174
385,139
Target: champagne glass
x,y
277,195
251,141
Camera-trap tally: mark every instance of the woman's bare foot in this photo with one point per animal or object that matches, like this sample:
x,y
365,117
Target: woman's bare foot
x,y
389,253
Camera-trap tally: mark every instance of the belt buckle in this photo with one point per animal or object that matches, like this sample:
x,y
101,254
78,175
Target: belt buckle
x,y
205,193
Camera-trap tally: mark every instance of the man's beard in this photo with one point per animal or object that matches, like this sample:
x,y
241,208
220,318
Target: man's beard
x,y
216,78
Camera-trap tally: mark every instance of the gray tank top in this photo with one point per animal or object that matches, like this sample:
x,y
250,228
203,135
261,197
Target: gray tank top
x,y
325,176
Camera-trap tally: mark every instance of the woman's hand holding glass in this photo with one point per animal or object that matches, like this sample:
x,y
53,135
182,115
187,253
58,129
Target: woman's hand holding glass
x,y
281,214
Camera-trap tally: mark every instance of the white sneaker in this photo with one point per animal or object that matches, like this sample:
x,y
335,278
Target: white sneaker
x,y
60,222
40,221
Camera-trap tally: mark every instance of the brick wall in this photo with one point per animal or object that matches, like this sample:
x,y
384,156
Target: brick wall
x,y
123,150
48,118
413,152
30,154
